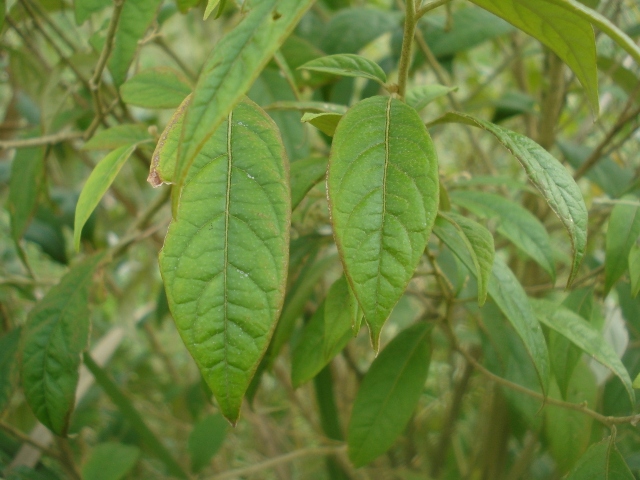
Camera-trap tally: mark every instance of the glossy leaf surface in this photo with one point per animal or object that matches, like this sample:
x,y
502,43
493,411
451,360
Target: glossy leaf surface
x,y
622,233
506,291
347,65
388,394
479,242
548,175
585,336
516,223
224,260
160,87
383,196
555,24
234,64
96,186
56,333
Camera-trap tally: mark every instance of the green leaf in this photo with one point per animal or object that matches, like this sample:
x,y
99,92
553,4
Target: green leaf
x,y
389,394
234,64
110,461
160,87
555,24
548,175
622,233
516,223
420,97
85,8
311,107
56,333
118,136
224,260
96,186
135,20
583,335
205,440
506,291
479,243
211,4
602,460
165,155
128,411
27,180
347,65
8,365
304,175
634,269
636,382
341,313
325,122
383,196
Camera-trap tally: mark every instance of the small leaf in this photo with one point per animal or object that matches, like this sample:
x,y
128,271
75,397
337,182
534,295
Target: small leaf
x,y
601,460
165,156
9,343
96,186
383,198
325,122
622,233
548,175
56,332
118,136
234,64
634,269
205,440
85,8
583,335
555,24
389,394
211,4
341,313
479,243
347,65
27,179
420,97
516,224
506,291
636,382
224,260
110,461
160,87
311,107
304,175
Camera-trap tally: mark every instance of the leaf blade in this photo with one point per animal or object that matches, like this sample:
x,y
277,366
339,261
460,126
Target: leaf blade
x,y
347,65
160,87
622,233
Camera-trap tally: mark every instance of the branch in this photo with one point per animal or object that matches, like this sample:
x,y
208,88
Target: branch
x,y
430,6
410,21
23,437
39,141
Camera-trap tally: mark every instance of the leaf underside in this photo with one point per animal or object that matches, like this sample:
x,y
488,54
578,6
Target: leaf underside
x,y
383,196
224,261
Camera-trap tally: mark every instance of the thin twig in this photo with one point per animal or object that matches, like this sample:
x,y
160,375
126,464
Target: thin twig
x,y
39,141
430,6
23,437
286,458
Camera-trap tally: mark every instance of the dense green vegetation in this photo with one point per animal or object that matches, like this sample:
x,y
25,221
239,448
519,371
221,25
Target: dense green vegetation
x,y
387,239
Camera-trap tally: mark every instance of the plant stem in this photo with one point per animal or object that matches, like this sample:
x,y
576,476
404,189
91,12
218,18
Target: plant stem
x,y
410,21
430,6
39,141
23,437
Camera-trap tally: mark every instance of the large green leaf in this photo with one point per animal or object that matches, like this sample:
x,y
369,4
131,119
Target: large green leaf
x,y
165,155
27,179
506,291
110,461
160,87
601,461
555,24
388,394
304,175
515,223
585,336
224,260
96,186
119,136
548,175
347,65
479,243
383,196
234,64
135,20
8,365
622,233
56,333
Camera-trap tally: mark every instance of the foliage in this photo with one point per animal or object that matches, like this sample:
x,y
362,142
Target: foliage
x,y
387,239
